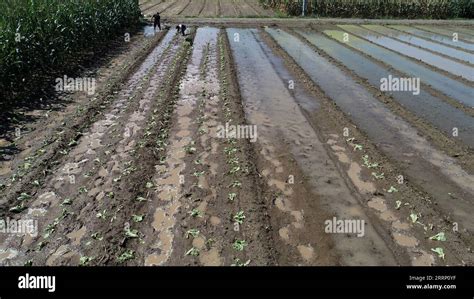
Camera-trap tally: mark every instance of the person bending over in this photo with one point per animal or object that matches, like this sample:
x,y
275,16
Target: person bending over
x,y
181,29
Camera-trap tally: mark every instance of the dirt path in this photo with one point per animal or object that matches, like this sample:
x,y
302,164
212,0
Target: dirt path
x,y
159,7
176,8
259,9
206,8
211,9
193,9
228,9
149,5
245,10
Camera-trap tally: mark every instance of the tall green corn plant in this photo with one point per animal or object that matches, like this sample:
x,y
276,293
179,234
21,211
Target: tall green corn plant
x,y
410,9
41,38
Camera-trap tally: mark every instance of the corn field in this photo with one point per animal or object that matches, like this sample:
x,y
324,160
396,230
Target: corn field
x,y
44,38
410,9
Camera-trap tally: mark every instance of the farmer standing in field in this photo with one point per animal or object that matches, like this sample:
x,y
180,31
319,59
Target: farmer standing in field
x,y
157,21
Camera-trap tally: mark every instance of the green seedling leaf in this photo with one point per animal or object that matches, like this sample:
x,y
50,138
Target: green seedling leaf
x,y
439,251
84,260
17,209
138,218
230,150
232,196
398,204
23,196
195,213
192,232
413,217
239,217
102,215
66,202
234,170
127,255
239,263
439,237
193,252
239,245
378,176
41,245
235,184
97,237
131,233
141,199
198,173
392,189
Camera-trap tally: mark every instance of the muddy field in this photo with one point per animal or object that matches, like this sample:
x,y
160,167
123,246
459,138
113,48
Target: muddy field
x,y
249,146
205,8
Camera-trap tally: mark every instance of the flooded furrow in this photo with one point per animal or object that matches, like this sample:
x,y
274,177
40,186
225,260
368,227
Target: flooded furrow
x,y
450,87
168,183
69,183
462,30
435,47
206,171
435,37
447,32
281,124
423,104
437,61
436,173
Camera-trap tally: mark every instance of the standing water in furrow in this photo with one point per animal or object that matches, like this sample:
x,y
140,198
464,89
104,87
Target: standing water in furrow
x,y
447,32
450,87
167,197
435,47
437,61
437,173
269,105
435,37
462,30
422,103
